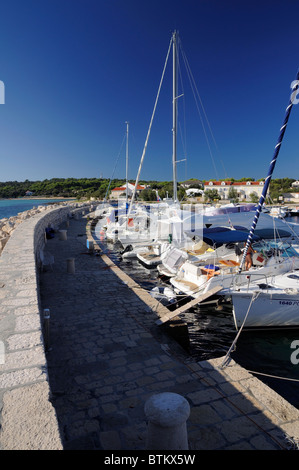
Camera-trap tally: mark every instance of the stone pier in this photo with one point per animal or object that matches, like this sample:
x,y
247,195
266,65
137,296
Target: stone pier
x,y
107,357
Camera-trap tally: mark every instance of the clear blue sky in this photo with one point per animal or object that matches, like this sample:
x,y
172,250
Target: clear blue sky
x,y
76,70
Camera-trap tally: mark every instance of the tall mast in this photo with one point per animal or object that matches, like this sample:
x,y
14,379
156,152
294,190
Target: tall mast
x,y
127,159
174,116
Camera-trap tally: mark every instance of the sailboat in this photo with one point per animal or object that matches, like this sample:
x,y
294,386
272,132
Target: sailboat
x,y
161,216
116,218
271,302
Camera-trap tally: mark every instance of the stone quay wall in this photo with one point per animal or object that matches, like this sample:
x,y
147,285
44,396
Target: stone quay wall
x,y
27,418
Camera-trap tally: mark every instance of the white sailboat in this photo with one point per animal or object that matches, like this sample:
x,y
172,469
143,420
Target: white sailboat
x,y
270,302
161,217
195,279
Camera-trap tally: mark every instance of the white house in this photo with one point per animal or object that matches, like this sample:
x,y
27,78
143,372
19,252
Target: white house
x,y
121,190
243,188
291,197
194,192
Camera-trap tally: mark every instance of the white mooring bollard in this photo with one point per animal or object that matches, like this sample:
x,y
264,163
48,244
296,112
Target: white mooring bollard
x,y
62,234
70,265
167,414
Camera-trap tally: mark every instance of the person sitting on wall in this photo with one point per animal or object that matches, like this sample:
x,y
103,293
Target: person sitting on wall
x,y
49,233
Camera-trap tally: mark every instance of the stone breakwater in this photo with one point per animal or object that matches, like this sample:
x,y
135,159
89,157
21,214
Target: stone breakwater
x,y
28,419
9,224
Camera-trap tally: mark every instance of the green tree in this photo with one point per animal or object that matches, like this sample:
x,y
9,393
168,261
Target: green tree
x,y
232,194
148,195
211,195
253,197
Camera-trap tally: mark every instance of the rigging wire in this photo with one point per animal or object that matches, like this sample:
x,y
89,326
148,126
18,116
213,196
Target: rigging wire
x,y
117,159
183,132
198,99
149,130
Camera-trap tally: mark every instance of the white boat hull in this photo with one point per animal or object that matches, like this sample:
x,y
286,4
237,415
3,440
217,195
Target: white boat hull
x,y
274,304
276,310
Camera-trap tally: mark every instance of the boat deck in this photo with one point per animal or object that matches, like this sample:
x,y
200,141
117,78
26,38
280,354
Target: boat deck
x,y
149,258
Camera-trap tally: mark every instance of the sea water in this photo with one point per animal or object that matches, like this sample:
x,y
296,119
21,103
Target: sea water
x,y
11,207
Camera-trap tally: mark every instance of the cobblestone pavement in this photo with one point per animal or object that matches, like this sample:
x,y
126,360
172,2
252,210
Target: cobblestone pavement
x,y
107,357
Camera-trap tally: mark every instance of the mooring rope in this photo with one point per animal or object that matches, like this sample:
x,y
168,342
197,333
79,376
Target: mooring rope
x,y
232,348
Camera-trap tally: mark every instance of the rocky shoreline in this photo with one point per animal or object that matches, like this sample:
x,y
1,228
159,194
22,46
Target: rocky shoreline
x,y
9,224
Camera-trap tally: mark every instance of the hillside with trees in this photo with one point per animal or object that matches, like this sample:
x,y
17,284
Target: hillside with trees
x,y
79,188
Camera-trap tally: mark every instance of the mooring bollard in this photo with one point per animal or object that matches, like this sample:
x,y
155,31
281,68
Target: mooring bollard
x,y
62,234
167,414
70,265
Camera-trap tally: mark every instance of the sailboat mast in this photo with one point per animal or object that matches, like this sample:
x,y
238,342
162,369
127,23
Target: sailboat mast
x,y
174,116
127,160
295,87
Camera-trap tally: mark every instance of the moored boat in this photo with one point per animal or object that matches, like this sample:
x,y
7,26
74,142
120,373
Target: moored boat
x,y
270,302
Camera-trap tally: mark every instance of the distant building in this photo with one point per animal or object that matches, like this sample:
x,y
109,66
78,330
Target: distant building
x,y
243,188
121,191
291,197
194,192
295,184
28,193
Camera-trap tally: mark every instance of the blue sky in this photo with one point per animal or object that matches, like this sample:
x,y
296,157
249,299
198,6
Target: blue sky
x,y
76,70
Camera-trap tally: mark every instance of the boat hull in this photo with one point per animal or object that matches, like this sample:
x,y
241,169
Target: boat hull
x,y
265,311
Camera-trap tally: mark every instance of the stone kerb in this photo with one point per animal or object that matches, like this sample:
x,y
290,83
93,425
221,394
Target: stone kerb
x,y
28,419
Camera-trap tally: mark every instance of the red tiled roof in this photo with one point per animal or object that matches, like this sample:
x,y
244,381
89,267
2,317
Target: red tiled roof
x,y
123,188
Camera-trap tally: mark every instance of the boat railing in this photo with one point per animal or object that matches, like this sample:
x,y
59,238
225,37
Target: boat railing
x,y
245,279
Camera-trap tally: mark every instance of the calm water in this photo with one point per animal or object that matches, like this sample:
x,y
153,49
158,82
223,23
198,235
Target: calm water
x,y
212,332
11,207
292,219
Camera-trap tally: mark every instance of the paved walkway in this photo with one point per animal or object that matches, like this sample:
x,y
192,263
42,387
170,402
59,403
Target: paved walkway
x,y
107,357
